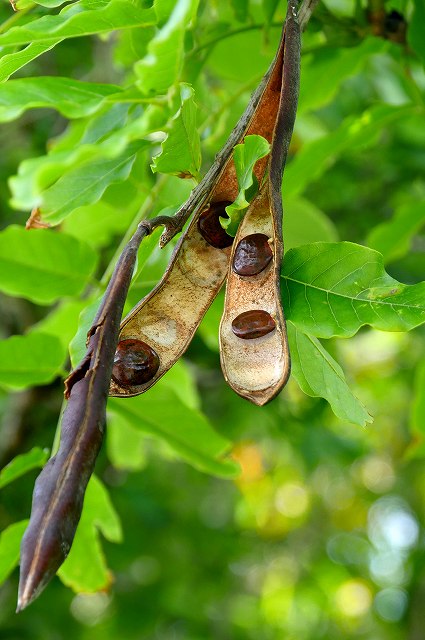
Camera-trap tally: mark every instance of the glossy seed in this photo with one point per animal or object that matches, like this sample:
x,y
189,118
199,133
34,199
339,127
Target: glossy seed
x,y
135,363
253,324
252,255
210,228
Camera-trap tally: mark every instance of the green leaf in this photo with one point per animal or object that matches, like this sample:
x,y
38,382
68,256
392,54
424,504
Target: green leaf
x,y
42,265
304,223
125,444
393,238
269,9
181,150
240,8
86,184
61,322
72,98
245,156
85,568
320,376
161,414
415,34
356,131
162,65
327,68
26,361
11,62
10,543
34,459
333,289
417,415
80,19
98,142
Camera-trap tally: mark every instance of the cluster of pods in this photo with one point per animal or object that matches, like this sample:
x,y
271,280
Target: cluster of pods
x,y
253,342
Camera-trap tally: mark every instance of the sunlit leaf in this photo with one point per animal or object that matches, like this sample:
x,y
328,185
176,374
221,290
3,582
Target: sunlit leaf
x,y
161,414
80,19
181,150
34,459
10,542
29,360
161,67
11,62
333,289
86,184
319,375
72,98
85,568
42,265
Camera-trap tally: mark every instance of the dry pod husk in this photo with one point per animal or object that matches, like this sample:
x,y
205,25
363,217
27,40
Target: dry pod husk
x,y
168,317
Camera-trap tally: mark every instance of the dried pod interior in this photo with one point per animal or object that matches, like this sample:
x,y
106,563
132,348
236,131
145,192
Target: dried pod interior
x,y
168,317
253,343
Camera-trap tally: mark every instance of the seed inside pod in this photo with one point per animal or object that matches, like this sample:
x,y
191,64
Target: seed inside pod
x,y
253,324
210,228
135,363
252,255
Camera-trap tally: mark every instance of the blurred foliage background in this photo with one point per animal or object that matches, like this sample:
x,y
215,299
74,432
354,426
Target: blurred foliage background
x,y
321,534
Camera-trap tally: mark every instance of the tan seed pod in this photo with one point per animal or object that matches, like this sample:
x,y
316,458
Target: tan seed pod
x,y
168,317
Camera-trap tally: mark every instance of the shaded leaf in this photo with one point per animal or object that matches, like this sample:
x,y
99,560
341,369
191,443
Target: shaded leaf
x,y
327,68
181,150
315,157
161,414
29,360
10,541
393,238
417,415
161,67
333,289
245,156
34,459
319,375
415,34
304,223
42,265
85,568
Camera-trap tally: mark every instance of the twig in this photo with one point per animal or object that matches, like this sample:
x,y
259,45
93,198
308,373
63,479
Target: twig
x,y
305,12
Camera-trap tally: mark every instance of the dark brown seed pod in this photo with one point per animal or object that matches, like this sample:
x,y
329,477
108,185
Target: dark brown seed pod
x,y
253,324
135,363
252,255
210,228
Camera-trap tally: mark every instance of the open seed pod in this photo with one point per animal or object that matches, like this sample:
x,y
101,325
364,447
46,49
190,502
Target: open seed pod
x,y
158,330
253,341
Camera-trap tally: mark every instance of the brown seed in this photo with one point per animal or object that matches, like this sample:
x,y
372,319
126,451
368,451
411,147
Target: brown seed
x,y
252,255
210,228
253,324
135,363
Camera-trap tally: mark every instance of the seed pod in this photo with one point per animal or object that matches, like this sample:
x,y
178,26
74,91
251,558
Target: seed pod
x,y
255,357
169,316
257,368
